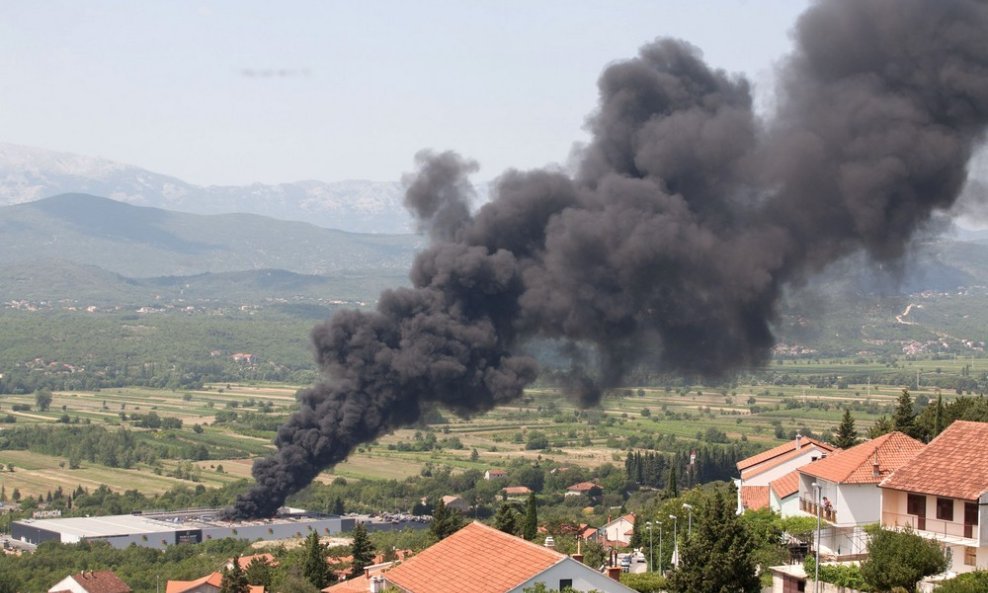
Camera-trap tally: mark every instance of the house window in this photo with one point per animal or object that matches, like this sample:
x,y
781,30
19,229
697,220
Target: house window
x,y
916,504
565,583
945,509
970,556
970,513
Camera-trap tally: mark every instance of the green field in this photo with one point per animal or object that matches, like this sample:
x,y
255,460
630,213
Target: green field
x,y
785,397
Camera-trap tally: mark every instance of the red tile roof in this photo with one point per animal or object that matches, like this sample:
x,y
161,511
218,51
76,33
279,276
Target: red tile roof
x,y
857,465
781,450
516,490
754,497
953,465
264,558
787,485
477,558
778,460
215,580
582,487
101,581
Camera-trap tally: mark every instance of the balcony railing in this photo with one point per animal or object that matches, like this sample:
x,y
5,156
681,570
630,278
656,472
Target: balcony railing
x,y
945,529
827,513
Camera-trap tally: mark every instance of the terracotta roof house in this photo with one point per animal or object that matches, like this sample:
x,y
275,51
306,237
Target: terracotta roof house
x,y
942,493
763,468
783,494
617,532
481,559
210,583
584,488
244,561
516,491
493,474
848,497
100,581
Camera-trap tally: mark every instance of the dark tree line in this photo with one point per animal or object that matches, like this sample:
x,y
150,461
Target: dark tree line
x,y
652,468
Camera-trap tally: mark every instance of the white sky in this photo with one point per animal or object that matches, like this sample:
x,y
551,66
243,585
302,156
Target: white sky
x,y
241,91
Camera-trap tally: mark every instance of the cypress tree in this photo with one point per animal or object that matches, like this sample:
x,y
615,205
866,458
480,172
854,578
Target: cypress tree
x,y
672,489
531,528
505,519
234,580
314,568
361,549
904,419
846,436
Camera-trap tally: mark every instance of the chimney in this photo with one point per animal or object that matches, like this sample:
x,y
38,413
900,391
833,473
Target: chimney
x,y
799,438
876,471
579,555
614,572
550,542
376,584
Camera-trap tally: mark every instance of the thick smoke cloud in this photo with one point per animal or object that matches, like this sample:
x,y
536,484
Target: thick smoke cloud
x,y
674,239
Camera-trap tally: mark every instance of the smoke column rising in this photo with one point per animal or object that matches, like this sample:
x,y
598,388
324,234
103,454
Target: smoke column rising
x,y
674,239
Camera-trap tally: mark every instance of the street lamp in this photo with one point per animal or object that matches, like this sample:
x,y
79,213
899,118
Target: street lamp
x,y
816,577
675,540
649,526
660,546
689,532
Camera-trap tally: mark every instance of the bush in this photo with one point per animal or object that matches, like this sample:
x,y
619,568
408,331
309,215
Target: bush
x,y
646,582
972,582
842,575
900,559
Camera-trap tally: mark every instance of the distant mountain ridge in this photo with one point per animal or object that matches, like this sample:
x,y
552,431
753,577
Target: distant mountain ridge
x,y
143,242
28,174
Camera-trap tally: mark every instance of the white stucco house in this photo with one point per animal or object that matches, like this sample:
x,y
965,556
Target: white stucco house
x,y
843,489
758,471
942,494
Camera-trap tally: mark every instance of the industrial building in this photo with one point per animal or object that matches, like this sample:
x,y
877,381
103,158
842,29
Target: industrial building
x,y
164,528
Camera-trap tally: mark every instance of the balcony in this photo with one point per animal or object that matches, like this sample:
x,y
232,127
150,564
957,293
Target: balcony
x,y
945,531
827,513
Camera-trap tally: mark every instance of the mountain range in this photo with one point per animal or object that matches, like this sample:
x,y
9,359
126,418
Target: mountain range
x,y
28,174
143,242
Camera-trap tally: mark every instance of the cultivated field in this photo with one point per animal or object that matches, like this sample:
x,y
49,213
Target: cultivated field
x,y
240,421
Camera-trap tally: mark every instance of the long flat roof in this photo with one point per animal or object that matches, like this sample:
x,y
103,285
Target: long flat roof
x,y
109,526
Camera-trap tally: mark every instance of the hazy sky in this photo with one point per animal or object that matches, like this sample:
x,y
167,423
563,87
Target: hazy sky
x,y
242,91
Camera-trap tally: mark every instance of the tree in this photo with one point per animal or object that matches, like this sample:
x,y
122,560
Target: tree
x,y
881,426
338,508
970,582
361,549
672,488
259,572
314,568
846,436
531,527
234,580
42,399
900,559
637,541
719,558
445,522
506,519
904,418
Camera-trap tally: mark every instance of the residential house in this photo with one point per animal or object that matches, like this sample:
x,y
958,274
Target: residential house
x,y
617,532
758,471
516,492
584,489
783,494
481,559
494,474
100,581
244,561
942,494
846,494
456,503
210,583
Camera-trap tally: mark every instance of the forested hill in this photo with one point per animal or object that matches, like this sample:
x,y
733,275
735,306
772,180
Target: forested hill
x,y
146,242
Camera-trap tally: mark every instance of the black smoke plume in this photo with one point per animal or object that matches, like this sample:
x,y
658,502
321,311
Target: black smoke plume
x,y
673,240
